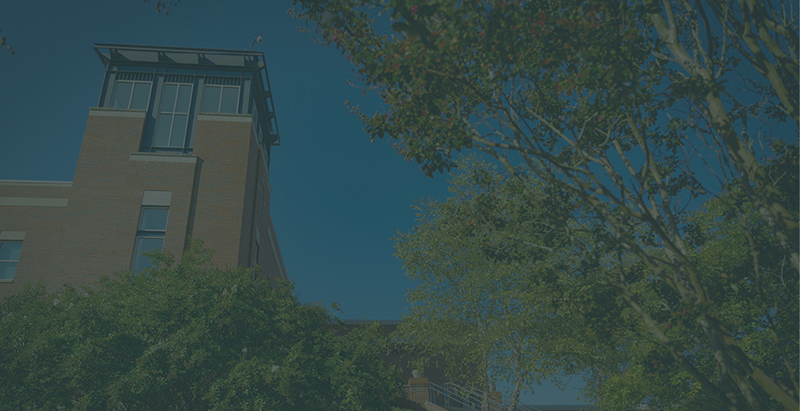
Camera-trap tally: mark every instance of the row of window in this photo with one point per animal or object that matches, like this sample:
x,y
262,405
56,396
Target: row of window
x,y
136,94
149,236
153,229
172,119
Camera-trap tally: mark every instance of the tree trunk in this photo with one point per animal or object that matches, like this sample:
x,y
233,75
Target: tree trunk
x,y
514,401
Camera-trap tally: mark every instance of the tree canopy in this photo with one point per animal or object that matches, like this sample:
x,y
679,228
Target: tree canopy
x,y
633,111
185,336
480,300
492,283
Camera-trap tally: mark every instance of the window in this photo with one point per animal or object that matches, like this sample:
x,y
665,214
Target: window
x,y
173,117
9,257
220,99
150,236
131,94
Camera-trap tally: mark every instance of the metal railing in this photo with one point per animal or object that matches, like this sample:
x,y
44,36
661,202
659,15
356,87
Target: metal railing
x,y
445,396
470,399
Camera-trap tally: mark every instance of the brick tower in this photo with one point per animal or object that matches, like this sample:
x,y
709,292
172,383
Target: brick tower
x,y
178,147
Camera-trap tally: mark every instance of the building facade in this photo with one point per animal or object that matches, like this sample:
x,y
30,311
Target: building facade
x,y
177,148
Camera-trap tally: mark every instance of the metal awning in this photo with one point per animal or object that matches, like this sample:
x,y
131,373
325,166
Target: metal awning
x,y
164,55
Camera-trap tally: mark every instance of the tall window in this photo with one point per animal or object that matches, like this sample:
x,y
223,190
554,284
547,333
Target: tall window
x,y
220,99
173,116
131,94
150,236
9,257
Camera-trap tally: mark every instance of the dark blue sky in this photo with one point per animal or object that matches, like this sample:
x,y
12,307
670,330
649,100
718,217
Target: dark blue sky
x,y
336,197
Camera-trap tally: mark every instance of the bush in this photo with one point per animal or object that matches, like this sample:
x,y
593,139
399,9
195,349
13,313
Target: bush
x,y
185,336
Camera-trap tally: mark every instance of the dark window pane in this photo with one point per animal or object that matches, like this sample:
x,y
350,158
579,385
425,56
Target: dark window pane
x,y
7,271
162,130
154,219
230,100
10,251
178,130
122,95
168,97
144,244
184,96
141,92
211,99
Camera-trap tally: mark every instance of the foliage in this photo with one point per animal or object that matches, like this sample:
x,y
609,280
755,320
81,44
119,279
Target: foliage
x,y
163,5
488,226
185,336
485,298
755,300
635,110
5,46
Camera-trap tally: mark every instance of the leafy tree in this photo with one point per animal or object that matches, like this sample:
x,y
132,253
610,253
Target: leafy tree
x,y
634,109
185,336
482,300
488,224
724,251
163,5
5,46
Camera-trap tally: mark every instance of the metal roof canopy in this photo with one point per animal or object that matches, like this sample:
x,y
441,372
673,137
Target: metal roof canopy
x,y
164,55
193,56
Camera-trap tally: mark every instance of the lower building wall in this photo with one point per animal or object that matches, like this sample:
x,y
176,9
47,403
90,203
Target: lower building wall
x,y
40,256
418,390
76,232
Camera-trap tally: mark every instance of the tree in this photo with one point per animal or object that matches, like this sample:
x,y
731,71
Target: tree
x,y
635,109
5,46
724,253
481,300
185,336
163,5
460,247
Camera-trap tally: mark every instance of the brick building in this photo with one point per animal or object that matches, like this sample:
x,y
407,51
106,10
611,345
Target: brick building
x,y
178,147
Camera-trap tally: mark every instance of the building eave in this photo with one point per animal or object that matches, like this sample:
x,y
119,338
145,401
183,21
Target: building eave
x,y
178,56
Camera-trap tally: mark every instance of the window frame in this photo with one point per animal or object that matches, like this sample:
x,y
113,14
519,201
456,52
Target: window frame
x,y
162,114
148,233
16,262
222,88
130,98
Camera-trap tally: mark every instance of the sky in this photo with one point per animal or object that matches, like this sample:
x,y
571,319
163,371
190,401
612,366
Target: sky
x,y
337,198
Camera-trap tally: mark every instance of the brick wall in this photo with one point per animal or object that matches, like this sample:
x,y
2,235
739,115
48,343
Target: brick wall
x,y
39,257
418,390
215,197
213,193
106,198
223,145
213,189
